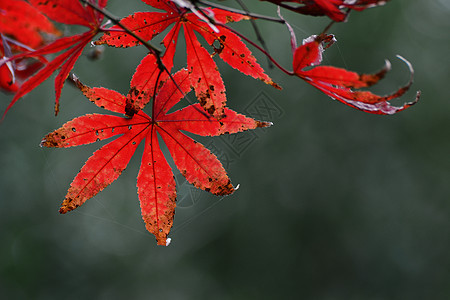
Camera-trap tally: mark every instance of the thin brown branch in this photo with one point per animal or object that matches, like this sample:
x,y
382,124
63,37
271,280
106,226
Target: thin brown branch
x,y
290,73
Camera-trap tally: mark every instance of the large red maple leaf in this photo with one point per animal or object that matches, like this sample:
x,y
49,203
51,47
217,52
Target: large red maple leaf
x,y
70,12
205,77
338,83
155,182
337,10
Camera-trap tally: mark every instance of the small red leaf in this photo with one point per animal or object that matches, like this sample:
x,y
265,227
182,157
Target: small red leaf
x,y
309,54
337,82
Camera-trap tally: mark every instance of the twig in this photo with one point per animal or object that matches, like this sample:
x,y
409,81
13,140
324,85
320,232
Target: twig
x,y
257,32
290,73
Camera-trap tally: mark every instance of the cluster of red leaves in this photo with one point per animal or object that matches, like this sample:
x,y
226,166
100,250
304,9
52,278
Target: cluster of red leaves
x,y
22,27
205,76
211,117
337,10
67,12
22,24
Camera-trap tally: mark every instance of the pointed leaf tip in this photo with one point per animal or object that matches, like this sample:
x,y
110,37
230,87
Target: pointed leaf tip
x,y
67,206
78,83
263,124
410,67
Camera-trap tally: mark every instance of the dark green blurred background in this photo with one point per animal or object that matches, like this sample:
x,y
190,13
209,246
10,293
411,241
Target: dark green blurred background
x,y
333,203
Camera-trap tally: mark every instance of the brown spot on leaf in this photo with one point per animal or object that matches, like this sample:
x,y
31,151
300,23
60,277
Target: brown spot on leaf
x,y
226,189
272,84
211,110
49,141
67,205
101,42
219,48
130,110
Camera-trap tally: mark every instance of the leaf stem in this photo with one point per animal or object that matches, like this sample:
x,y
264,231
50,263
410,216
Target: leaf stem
x,y
257,32
290,73
328,27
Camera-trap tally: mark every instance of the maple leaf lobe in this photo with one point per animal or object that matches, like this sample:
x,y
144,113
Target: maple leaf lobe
x,y
160,225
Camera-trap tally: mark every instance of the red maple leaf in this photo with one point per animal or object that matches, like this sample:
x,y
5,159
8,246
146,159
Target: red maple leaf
x,y
338,83
334,9
155,182
205,77
70,12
